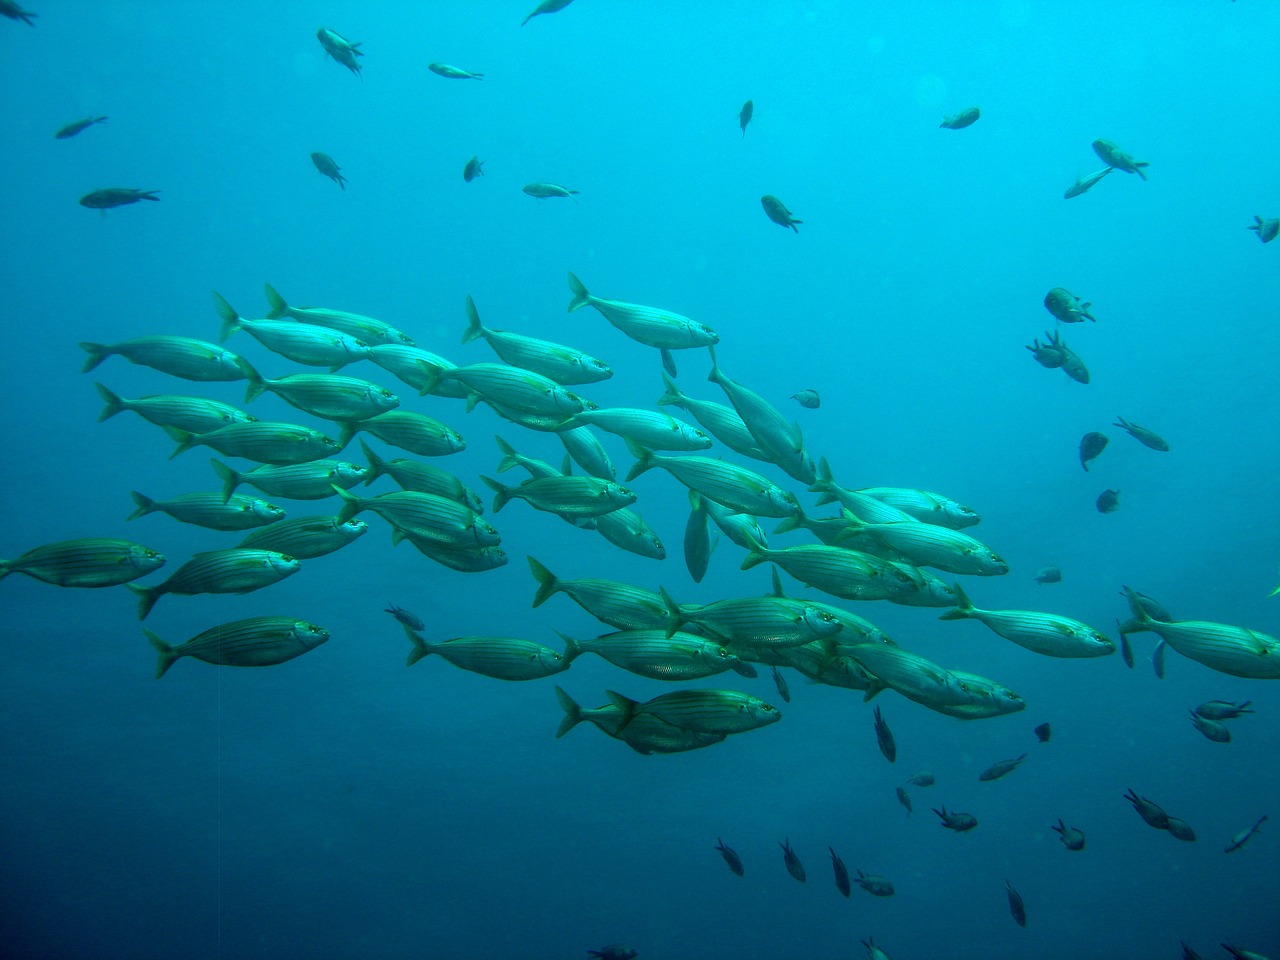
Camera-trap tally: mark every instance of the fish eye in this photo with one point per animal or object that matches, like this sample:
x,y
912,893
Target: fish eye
x,y
287,558
388,394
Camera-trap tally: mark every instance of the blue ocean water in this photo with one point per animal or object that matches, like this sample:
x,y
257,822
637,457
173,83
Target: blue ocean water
x,y
341,805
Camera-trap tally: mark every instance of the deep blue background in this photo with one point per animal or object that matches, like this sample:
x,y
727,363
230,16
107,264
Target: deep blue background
x,y
343,806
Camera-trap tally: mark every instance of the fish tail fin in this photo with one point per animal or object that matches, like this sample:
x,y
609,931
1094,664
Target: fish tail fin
x,y
97,353
420,647
147,597
230,478
113,403
547,583
672,396
351,504
623,703
502,493
714,375
5,569
186,440
168,655
475,329
145,505
963,609
793,226
509,455
148,195
276,303
756,553
580,296
1137,168
644,460
377,466
256,384
673,615
572,712
431,377
347,430
1141,618
230,319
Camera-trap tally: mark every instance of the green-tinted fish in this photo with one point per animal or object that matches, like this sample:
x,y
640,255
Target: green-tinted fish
x,y
697,542
925,506
329,396
586,450
1237,651
988,699
261,441
71,129
546,6
644,733
703,711
299,481
1222,709
1114,157
87,562
777,211
518,389
628,530
1148,438
473,168
421,477
1071,838
739,527
329,167
915,677
424,515
193,414
503,658
306,537
728,484
755,621
1044,633
1267,230
744,116
930,591
341,49
414,432
866,508
649,428
781,441
513,458
809,399
544,191
453,73
721,422
850,574
110,197
419,368
562,364
565,496
255,642
620,605
212,510
958,121
1067,307
177,356
1001,768
1083,184
464,559
875,885
651,653
235,570
303,343
366,329
1069,360
930,545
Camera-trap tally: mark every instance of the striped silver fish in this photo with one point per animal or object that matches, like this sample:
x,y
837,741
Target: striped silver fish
x,y
329,396
915,677
644,734
86,562
925,506
1237,651
564,365
735,487
720,421
419,369
652,326
930,545
620,605
300,342
235,570
414,432
866,508
255,642
177,356
421,477
1044,633
514,388
314,480
565,496
368,329
464,559
774,434
193,414
649,428
211,510
587,452
262,441
503,658
849,574
651,653
628,530
757,621
424,515
306,537
703,711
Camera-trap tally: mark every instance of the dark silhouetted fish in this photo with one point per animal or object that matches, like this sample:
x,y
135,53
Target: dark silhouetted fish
x,y
1091,444
777,211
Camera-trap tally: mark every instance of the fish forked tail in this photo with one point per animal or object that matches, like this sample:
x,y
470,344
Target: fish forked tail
x,y
757,553
168,654
186,440
377,466
147,597
230,478
276,303
672,396
572,713
502,492
420,646
548,585
1141,620
673,615
645,460
475,329
510,458
824,483
114,403
351,504
572,649
256,383
145,505
230,319
580,296
97,353
963,609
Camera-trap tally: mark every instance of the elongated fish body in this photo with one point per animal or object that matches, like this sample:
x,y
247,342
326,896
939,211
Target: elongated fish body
x,y
1148,438
741,528
234,570
546,6
421,477
1085,183
651,653
86,562
649,428
564,365
255,642
586,450
1066,306
341,49
644,734
930,545
302,343
1237,651
791,861
1114,157
930,591
849,574
822,662
464,559
777,211
420,369
306,537
910,674
424,515
192,414
1044,633
1001,768
779,439
329,167
620,605
884,739
544,191
453,73
867,508
841,872
1091,446
177,356
745,114
628,530
366,329
262,441
697,542
958,121
767,621
314,480
925,506
71,129
329,396
110,197
720,421
732,486
566,496
214,511
513,458
652,326
987,698
730,856
517,389
413,432
703,711
1222,709
503,658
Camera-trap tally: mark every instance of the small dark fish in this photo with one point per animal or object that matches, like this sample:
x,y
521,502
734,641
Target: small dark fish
x,y
546,6
780,682
1049,574
450,72
324,163
1091,444
1157,659
116,197
340,48
1239,954
1016,906
697,544
1072,365
1001,768
1181,830
1266,229
730,856
1151,813
777,211
404,616
1108,501
1071,838
904,799
1240,839
744,115
958,121
1188,953
1222,709
959,822
1214,730
884,737
1067,307
922,779
1044,732
876,886
1046,354
1113,156
1126,650
842,873
808,399
1085,183
10,9
71,129
473,169
615,951
1147,438
794,866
